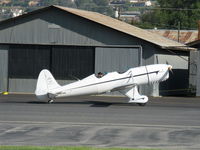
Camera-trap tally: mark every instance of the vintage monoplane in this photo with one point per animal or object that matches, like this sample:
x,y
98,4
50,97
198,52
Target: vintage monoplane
x,y
126,83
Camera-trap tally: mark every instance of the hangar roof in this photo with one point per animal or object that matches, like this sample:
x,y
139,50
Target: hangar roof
x,y
119,26
185,36
127,28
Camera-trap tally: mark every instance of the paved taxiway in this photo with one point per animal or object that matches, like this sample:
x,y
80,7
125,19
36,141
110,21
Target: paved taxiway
x,y
100,121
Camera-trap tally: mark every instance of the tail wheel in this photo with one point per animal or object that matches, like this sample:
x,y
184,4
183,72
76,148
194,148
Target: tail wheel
x,y
50,101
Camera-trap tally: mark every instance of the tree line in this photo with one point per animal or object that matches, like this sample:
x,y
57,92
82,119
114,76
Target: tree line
x,y
166,14
172,14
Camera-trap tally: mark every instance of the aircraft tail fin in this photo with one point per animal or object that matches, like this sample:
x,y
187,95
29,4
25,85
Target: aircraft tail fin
x,y
45,84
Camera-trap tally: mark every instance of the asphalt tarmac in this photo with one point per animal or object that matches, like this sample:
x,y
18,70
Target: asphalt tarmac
x,y
165,122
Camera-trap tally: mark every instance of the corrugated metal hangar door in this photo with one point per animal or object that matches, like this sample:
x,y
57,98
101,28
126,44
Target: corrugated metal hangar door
x,y
70,62
65,63
24,64
120,59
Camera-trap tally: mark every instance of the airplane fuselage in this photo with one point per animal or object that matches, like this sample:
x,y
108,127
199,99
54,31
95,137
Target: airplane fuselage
x,y
113,81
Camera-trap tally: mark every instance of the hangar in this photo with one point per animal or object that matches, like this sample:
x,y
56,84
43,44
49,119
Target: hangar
x,y
76,43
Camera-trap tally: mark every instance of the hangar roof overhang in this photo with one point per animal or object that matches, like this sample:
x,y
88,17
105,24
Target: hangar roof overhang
x,y
115,24
194,43
179,48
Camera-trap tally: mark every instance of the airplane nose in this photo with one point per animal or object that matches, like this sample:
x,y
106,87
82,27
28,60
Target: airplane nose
x,y
169,67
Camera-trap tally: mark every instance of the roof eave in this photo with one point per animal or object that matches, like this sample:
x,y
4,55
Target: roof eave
x,y
179,48
193,43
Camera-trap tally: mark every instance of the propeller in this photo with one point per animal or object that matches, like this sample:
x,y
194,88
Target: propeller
x,y
170,69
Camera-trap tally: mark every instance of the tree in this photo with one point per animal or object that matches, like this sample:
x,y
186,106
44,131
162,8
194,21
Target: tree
x,y
169,13
100,6
67,3
101,2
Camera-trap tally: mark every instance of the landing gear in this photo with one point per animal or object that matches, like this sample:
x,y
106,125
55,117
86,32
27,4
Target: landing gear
x,y
141,104
50,101
134,96
140,100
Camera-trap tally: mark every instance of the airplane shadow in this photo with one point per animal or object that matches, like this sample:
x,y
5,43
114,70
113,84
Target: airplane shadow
x,y
90,103
99,104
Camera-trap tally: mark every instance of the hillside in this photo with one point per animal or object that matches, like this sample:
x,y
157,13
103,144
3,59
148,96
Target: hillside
x,y
12,8
31,3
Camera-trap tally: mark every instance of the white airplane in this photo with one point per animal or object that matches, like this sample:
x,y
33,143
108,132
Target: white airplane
x,y
126,83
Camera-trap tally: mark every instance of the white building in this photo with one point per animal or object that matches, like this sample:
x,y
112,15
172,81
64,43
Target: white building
x,y
16,12
141,2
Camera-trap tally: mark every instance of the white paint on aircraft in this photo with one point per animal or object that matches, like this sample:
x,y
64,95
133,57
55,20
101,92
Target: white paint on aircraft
x,y
126,83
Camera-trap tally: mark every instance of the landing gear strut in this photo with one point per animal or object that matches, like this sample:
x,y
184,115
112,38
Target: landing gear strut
x,y
141,100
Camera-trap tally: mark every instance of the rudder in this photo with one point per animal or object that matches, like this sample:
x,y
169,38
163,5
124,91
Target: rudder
x,y
45,84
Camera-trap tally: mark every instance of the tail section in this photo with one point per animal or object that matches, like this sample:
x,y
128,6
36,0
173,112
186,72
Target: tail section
x,y
45,84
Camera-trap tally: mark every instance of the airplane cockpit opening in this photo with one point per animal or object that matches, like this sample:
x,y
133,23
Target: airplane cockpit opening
x,y
121,72
100,75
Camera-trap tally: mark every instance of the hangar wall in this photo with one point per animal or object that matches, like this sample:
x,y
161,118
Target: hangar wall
x,y
198,76
177,84
61,28
194,69
109,59
3,68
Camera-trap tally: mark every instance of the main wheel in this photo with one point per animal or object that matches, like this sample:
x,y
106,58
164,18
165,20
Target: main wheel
x,y
141,104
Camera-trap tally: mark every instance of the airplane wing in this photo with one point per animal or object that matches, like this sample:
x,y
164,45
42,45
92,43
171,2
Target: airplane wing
x,y
122,88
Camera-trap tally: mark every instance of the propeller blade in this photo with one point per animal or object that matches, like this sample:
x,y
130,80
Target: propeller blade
x,y
170,69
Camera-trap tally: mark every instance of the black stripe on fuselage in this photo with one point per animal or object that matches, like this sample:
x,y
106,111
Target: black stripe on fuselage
x,y
116,79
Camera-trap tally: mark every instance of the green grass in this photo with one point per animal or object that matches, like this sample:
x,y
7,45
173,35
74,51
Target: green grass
x,y
62,148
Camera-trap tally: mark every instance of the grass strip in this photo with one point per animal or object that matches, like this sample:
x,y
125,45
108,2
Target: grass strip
x,y
63,148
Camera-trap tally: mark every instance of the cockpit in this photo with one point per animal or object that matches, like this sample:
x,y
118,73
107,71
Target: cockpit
x,y
109,74
100,75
